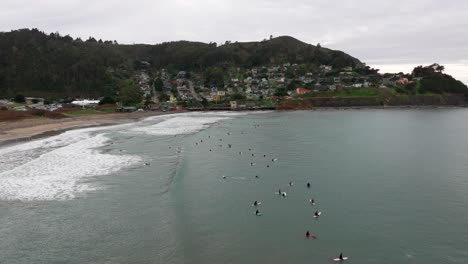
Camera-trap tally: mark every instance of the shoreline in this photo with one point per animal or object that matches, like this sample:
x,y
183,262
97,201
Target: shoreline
x,y
31,129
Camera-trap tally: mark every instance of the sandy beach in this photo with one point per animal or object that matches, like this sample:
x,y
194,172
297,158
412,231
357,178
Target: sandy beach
x,y
11,132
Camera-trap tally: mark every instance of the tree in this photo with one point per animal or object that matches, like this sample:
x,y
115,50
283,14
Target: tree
x,y
281,92
129,93
107,100
19,98
238,97
158,85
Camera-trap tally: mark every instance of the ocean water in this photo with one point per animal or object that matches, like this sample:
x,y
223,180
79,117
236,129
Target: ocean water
x,y
392,186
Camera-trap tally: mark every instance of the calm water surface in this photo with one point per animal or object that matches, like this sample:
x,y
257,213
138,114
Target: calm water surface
x,y
392,186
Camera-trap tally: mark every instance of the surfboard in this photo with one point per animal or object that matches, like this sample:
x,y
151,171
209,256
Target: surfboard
x,y
319,213
337,259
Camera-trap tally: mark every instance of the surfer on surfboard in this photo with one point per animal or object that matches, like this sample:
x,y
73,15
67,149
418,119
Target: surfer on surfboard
x,y
340,258
257,213
309,235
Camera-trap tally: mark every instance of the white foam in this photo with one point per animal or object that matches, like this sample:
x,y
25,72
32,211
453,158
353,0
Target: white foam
x,y
180,124
59,173
55,168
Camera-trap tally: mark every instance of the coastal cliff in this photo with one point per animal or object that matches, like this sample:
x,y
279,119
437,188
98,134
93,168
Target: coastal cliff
x,y
373,101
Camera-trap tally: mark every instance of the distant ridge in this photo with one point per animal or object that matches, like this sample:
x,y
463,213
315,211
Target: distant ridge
x,y
35,63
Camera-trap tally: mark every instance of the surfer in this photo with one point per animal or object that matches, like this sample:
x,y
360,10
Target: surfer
x,y
147,164
268,166
229,145
308,185
279,191
283,194
290,183
256,176
317,214
257,212
312,201
307,234
255,203
341,256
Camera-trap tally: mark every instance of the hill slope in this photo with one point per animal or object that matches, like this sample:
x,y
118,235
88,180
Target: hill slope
x,y
37,64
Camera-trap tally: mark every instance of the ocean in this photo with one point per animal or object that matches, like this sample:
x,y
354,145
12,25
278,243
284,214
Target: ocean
x,y
392,187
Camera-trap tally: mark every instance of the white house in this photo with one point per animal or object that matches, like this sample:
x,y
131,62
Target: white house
x,y
85,102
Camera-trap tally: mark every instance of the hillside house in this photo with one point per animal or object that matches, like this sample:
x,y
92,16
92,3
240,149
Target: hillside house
x,y
302,91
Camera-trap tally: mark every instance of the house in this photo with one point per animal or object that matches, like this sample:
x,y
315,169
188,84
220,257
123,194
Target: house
x,y
221,93
34,100
402,81
301,91
233,104
85,103
348,69
357,85
326,68
215,98
4,102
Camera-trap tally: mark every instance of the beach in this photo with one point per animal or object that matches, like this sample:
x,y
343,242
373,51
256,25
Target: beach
x,y
15,131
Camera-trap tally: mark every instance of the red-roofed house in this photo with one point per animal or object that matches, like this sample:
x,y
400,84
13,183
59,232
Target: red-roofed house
x,y
402,81
301,91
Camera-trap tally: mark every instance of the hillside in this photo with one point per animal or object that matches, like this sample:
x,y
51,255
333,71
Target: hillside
x,y
37,64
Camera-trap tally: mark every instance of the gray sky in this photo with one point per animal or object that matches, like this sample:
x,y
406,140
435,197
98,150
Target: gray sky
x,y
393,36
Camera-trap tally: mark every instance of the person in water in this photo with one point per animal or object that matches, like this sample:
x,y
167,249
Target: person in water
x,y
307,234
341,256
308,185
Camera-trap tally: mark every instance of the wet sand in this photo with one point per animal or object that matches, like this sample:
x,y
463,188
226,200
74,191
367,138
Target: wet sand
x,y
17,131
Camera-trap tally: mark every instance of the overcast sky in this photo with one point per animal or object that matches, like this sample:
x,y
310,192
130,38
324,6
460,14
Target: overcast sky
x,y
393,36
